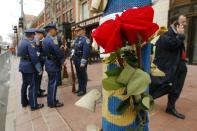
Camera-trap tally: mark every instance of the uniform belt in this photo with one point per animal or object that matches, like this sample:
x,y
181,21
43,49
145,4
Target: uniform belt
x,y
53,58
79,54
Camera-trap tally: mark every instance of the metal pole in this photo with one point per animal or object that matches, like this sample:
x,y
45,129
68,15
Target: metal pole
x,y
23,15
17,39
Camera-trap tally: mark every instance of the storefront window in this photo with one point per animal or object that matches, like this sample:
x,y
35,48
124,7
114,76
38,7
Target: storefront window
x,y
58,6
85,11
71,15
67,16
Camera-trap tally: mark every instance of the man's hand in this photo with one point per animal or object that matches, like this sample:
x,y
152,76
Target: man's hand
x,y
82,65
180,29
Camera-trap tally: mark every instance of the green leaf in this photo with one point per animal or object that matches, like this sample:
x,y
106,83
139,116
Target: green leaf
x,y
151,102
123,106
113,72
138,83
130,129
131,58
137,98
113,56
140,128
111,83
126,74
146,102
111,59
126,48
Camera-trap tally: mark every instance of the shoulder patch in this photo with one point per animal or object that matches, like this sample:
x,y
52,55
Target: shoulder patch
x,y
87,41
55,41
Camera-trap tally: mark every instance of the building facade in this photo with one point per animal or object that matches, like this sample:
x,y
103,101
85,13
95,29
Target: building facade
x,y
29,19
39,21
65,12
188,8
161,9
71,13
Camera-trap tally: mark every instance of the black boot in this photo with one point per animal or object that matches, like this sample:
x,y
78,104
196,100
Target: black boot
x,y
57,104
81,93
25,104
38,106
175,113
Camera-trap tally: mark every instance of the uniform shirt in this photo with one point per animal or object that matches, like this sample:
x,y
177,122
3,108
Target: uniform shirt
x,y
29,61
51,47
82,48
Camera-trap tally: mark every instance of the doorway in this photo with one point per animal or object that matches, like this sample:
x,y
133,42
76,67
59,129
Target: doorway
x,y
192,40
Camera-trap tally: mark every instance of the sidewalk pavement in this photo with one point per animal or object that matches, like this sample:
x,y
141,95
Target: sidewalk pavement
x,y
186,104
72,118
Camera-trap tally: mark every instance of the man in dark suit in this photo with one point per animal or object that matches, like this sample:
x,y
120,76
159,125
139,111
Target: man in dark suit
x,y
170,57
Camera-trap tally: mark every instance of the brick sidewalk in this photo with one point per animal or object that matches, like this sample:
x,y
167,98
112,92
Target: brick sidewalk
x,y
72,118
187,104
67,118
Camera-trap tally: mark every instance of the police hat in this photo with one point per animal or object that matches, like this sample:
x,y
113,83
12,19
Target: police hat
x,y
30,31
78,28
50,26
40,31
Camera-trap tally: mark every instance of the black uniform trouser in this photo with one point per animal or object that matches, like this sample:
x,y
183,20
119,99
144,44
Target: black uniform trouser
x,y
82,75
39,80
28,84
52,88
178,84
59,79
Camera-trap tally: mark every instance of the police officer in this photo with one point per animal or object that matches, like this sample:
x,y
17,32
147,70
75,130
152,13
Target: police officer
x,y
29,65
82,51
60,43
55,58
40,34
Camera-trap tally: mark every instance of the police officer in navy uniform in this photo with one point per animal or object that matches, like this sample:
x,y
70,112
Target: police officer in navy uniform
x,y
80,58
54,59
60,43
29,65
40,34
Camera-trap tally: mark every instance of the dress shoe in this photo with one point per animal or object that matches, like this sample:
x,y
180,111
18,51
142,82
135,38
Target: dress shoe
x,y
41,90
59,83
175,113
25,104
81,93
57,104
41,94
38,106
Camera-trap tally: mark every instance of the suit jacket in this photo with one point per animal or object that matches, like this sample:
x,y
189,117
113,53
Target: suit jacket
x,y
169,49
